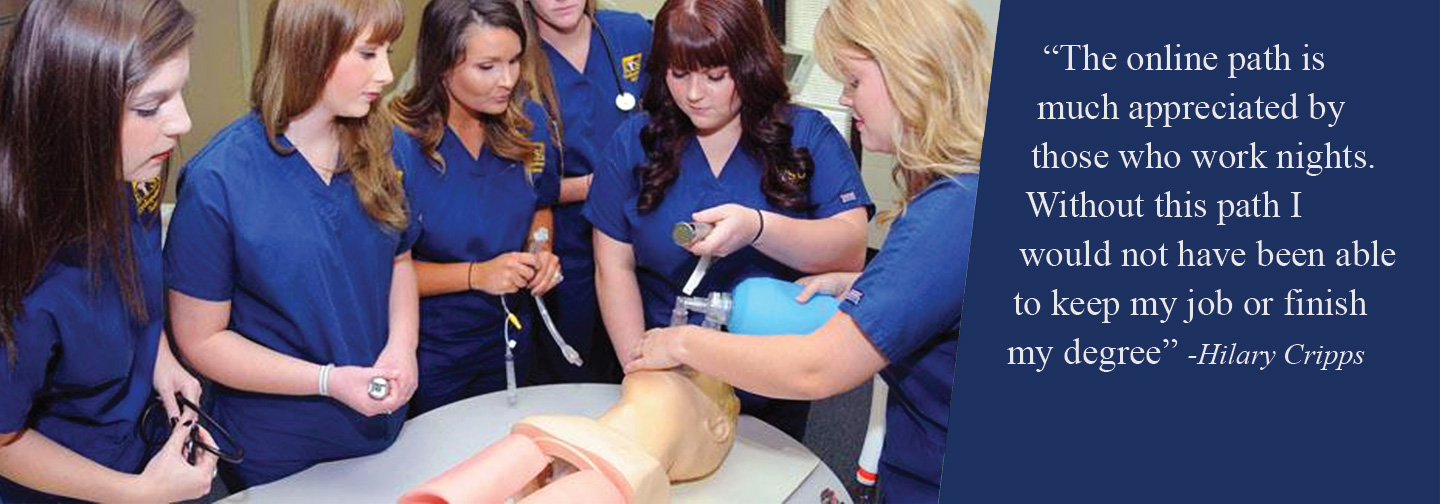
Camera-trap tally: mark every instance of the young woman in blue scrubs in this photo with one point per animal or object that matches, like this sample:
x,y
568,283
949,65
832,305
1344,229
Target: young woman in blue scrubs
x,y
289,279
89,85
901,316
720,143
591,74
475,181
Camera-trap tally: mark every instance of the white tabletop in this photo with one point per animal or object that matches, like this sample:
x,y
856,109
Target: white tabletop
x,y
764,466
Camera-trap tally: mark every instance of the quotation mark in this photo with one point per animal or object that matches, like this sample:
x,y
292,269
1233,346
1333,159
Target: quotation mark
x,y
1169,343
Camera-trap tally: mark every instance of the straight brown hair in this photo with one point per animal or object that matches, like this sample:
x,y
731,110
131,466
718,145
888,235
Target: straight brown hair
x,y
423,110
298,35
67,74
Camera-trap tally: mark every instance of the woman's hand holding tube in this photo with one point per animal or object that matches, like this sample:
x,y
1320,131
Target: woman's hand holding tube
x,y
505,274
547,274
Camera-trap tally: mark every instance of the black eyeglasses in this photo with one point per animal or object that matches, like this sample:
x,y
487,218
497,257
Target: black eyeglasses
x,y
155,430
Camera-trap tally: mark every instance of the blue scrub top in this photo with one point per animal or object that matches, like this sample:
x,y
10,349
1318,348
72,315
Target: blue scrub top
x,y
85,365
308,275
587,99
587,107
923,258
473,211
663,267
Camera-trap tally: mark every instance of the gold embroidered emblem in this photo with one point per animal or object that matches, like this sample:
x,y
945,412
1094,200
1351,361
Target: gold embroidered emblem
x,y
631,65
536,163
147,195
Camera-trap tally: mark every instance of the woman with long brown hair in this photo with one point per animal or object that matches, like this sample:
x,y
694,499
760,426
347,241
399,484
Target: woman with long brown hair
x,y
917,77
291,285
720,143
480,182
90,94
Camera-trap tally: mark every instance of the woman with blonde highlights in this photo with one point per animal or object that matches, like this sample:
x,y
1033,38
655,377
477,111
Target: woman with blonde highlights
x,y
291,285
916,76
480,180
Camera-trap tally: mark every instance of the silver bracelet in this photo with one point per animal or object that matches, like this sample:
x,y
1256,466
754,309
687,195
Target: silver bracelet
x,y
325,379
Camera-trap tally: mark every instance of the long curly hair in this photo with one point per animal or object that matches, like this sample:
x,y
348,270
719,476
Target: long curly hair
x,y
695,34
422,112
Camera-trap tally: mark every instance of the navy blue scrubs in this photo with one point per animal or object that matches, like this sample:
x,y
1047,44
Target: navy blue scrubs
x,y
308,275
587,106
85,365
924,258
661,267
475,209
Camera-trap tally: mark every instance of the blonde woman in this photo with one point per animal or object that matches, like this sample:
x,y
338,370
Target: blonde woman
x,y
916,76
290,284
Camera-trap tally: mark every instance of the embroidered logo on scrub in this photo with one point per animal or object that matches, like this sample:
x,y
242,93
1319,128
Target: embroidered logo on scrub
x,y
847,197
631,65
536,164
853,296
147,195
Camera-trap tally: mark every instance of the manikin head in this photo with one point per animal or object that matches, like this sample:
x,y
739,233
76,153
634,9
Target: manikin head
x,y
684,418
667,426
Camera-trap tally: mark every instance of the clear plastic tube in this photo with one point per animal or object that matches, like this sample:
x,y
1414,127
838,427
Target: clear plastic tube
x,y
537,242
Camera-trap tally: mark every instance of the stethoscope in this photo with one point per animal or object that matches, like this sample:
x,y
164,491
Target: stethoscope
x,y
623,99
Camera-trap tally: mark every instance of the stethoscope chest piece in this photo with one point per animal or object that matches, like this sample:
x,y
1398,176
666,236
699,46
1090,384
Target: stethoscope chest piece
x,y
379,388
625,101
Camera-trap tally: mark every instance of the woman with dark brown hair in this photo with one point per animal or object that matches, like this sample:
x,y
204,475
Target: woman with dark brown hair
x,y
291,285
480,183
90,94
917,78
719,143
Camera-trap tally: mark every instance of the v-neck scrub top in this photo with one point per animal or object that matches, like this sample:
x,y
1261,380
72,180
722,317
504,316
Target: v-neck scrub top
x,y
307,273
85,365
473,210
925,259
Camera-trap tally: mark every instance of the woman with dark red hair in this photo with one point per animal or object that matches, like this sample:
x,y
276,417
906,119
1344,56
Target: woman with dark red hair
x,y
719,143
